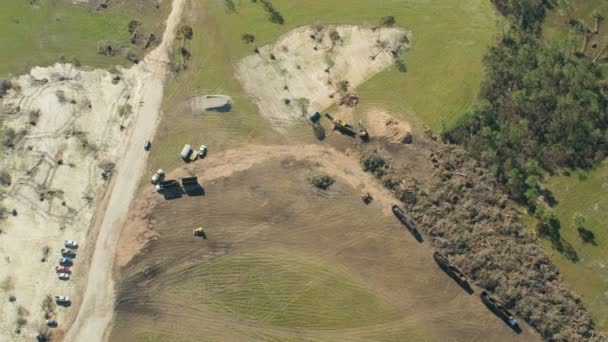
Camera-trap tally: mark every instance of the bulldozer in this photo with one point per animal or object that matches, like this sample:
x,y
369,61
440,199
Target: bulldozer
x,y
342,126
200,232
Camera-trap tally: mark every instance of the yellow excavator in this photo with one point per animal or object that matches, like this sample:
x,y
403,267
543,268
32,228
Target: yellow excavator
x,y
342,126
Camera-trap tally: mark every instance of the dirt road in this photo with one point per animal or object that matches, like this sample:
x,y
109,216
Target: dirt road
x,y
97,306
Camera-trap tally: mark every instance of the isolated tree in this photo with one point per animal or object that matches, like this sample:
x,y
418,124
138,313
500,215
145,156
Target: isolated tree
x,y
184,32
248,38
387,21
401,66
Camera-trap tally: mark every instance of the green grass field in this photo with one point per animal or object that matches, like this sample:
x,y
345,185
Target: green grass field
x,y
37,35
444,66
587,194
283,289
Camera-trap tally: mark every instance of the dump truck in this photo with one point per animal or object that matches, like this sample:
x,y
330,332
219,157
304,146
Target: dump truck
x,y
400,214
190,182
342,126
498,308
451,270
164,185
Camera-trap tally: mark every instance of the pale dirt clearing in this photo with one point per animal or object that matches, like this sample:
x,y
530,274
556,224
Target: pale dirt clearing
x,y
68,123
282,259
97,307
305,69
382,124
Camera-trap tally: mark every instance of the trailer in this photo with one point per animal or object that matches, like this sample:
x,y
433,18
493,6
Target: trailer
x,y
164,185
186,152
189,182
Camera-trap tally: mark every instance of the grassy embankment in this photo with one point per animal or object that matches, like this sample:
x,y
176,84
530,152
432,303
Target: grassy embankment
x,y
583,192
444,67
39,34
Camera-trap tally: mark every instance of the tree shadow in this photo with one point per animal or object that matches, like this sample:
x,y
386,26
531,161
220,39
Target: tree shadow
x,y
551,231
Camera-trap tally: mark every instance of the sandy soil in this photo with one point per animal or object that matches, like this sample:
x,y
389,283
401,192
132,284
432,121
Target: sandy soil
x,y
55,179
97,306
258,200
307,71
382,124
87,118
136,233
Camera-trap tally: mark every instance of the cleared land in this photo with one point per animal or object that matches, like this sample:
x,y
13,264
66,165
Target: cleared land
x,y
444,70
286,261
38,33
312,67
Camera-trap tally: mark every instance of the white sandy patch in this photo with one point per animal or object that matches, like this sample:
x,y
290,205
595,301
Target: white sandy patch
x,y
299,71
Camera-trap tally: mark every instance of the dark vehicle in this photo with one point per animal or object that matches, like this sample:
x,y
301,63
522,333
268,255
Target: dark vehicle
x,y
498,308
66,261
189,181
147,145
342,126
315,117
367,198
452,271
164,185
400,214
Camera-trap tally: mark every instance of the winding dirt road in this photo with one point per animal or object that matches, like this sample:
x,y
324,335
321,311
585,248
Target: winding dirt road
x,y
97,307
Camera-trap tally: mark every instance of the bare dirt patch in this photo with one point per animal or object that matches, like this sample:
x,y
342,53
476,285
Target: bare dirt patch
x,y
383,125
283,259
312,67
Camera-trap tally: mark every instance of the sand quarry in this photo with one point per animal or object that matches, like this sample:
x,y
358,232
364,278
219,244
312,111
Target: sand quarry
x,y
303,71
56,178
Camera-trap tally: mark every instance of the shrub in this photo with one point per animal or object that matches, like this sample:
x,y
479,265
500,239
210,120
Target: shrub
x,y
5,86
33,117
5,178
322,182
375,164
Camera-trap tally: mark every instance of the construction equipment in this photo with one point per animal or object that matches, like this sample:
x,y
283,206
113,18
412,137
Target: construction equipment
x,y
165,185
342,126
400,214
362,132
498,307
200,232
452,271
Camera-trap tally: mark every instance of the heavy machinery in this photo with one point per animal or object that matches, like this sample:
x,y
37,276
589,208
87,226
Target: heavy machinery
x,y
342,126
452,271
165,185
363,134
498,308
400,214
200,232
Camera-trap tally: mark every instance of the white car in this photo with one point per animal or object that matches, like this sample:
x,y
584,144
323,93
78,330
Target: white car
x,y
62,299
70,244
63,276
158,176
202,151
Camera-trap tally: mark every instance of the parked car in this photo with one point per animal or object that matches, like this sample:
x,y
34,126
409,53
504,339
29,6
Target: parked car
x,y
202,151
62,300
64,276
70,244
147,145
63,269
158,176
51,323
66,261
67,251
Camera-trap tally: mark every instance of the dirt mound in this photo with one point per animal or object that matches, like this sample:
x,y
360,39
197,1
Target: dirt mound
x,y
381,124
